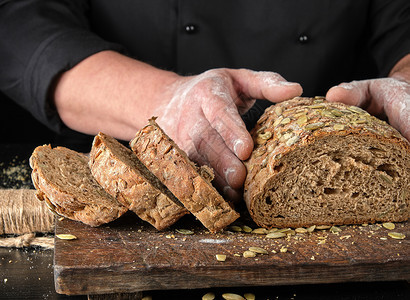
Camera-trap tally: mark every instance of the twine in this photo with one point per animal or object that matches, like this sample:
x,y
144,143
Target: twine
x,y
27,240
21,213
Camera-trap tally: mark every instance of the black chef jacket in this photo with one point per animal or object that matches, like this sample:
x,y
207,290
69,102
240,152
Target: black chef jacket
x,y
318,43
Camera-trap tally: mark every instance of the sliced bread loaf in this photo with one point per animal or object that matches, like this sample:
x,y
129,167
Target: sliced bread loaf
x,y
64,181
191,185
317,162
122,175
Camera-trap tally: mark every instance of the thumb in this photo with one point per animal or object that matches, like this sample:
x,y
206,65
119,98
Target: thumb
x,y
265,85
352,93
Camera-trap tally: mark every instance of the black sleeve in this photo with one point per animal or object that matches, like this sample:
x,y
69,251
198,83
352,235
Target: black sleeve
x,y
389,33
39,39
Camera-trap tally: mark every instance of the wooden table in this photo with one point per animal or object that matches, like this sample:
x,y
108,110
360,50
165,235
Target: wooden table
x,y
129,256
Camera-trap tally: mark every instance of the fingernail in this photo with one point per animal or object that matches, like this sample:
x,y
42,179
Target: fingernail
x,y
237,146
345,86
227,173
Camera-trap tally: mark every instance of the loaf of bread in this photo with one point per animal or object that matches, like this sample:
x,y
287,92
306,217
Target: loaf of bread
x,y
317,162
122,175
191,185
64,181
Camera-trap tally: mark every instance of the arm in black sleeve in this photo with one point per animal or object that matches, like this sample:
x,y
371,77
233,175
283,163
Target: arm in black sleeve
x,y
389,33
39,39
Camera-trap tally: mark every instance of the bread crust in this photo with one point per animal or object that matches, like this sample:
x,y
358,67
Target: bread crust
x,y
182,177
64,181
121,174
304,125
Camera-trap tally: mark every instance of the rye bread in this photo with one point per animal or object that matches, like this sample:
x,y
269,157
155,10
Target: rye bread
x,y
317,162
190,184
123,176
64,181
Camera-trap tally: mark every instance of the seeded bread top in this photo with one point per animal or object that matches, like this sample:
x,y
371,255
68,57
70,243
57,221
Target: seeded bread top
x,y
298,121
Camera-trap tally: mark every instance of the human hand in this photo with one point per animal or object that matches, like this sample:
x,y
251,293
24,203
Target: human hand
x,y
381,97
203,118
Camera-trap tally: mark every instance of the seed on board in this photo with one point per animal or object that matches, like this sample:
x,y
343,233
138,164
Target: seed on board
x,y
323,227
208,296
396,235
301,230
314,126
311,228
248,254
66,236
220,257
335,229
246,229
275,235
389,225
260,231
258,250
235,228
230,296
249,296
184,231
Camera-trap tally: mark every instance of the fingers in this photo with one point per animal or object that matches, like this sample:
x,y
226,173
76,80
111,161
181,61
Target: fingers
x,y
358,93
211,149
264,85
381,97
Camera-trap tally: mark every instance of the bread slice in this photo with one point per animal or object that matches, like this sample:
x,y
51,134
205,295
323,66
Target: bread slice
x,y
190,184
64,181
122,175
317,162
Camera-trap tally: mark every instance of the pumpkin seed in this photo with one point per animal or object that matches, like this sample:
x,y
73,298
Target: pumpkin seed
x,y
338,127
235,228
277,121
249,296
66,236
184,231
337,112
285,121
258,250
249,254
208,296
335,229
396,235
292,140
220,257
316,106
323,227
230,296
357,110
275,235
278,110
301,230
389,225
315,126
386,178
302,120
311,228
246,229
260,231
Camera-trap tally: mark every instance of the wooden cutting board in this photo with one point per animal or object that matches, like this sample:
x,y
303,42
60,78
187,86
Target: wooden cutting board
x,y
129,255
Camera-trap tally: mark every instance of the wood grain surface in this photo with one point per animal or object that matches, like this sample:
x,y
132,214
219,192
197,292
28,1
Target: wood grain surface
x,y
129,256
